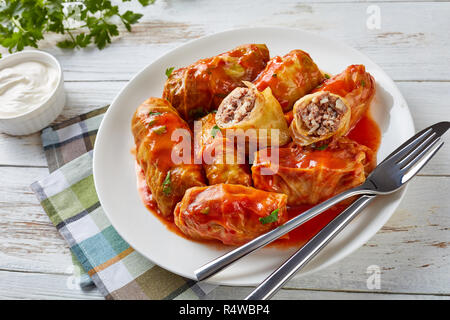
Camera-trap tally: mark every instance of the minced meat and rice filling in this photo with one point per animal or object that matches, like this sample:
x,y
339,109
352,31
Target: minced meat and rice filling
x,y
323,114
237,105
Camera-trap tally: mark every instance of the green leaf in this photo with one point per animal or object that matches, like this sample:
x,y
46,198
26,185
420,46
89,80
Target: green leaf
x,y
131,17
322,147
327,76
153,113
160,130
25,22
214,130
66,44
169,71
146,2
273,217
166,185
83,40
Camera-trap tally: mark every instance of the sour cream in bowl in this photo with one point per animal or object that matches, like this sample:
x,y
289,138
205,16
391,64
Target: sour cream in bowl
x,y
31,92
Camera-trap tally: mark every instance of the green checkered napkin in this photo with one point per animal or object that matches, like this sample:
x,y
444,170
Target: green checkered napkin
x,y
69,198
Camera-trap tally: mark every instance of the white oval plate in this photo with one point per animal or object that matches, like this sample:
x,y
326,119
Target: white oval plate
x,y
114,171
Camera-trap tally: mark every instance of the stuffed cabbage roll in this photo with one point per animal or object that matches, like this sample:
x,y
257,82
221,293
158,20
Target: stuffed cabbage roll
x,y
309,176
355,85
199,88
152,125
233,214
247,108
222,161
320,118
290,77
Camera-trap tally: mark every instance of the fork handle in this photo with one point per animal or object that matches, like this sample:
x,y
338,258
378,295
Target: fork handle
x,y
298,260
224,261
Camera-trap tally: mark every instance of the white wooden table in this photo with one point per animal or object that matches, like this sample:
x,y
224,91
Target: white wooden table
x,y
412,46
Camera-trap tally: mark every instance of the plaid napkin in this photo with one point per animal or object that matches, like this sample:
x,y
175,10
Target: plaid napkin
x,y
69,198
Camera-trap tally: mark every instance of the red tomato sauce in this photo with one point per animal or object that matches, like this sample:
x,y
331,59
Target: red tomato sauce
x,y
365,132
151,205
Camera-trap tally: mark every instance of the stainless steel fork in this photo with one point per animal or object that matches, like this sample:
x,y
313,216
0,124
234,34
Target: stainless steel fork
x,y
391,174
306,253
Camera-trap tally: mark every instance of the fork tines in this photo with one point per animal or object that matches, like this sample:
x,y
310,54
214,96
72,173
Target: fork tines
x,y
418,144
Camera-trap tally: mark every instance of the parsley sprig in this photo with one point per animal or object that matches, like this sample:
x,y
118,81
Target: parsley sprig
x,y
167,189
273,217
25,22
169,71
215,130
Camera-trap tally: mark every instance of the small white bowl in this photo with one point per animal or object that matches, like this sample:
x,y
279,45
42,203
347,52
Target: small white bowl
x,y
41,116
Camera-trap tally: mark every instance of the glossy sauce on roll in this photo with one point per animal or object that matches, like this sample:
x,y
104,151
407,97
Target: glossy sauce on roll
x,y
355,85
199,88
232,214
309,176
325,143
152,126
290,77
222,161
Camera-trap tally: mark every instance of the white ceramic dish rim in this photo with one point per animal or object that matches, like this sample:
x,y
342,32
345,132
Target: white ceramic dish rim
x,y
34,55
350,247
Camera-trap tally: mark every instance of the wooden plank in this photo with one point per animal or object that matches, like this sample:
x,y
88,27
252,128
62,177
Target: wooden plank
x,y
28,285
238,293
411,250
167,25
427,101
21,151
28,240
18,285
428,105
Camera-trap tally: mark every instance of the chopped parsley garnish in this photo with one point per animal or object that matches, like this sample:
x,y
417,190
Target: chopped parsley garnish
x,y
363,84
153,113
274,75
214,130
151,122
322,147
166,185
273,217
327,76
160,130
169,71
205,210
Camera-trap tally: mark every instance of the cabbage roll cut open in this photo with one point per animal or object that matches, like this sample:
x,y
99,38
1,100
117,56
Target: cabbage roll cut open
x,y
199,88
246,108
152,126
233,214
308,175
356,86
320,118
